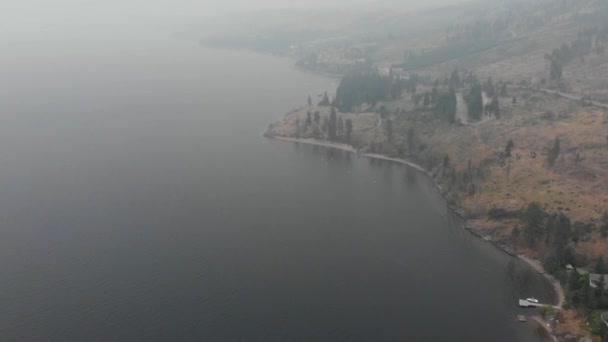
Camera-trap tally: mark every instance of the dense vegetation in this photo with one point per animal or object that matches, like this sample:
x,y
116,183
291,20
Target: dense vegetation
x,y
367,86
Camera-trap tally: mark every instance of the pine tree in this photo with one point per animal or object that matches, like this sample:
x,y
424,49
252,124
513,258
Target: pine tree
x,y
325,101
600,267
533,217
349,129
553,153
411,142
332,126
503,90
506,156
454,81
475,102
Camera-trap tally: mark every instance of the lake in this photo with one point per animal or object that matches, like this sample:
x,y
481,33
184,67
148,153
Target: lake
x,y
140,202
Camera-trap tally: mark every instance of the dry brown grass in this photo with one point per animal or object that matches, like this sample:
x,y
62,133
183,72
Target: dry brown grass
x,y
571,323
579,189
595,248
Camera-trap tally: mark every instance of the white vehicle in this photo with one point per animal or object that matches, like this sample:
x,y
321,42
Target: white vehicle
x,y
532,300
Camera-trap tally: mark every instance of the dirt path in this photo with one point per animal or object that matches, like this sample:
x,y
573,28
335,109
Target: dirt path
x,y
573,97
564,95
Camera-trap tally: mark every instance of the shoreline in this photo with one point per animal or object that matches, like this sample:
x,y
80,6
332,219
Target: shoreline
x,y
543,324
349,148
557,287
533,264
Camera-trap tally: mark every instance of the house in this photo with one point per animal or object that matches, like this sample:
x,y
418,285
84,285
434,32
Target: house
x,y
595,279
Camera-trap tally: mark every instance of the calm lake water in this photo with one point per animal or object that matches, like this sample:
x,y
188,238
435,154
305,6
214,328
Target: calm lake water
x,y
140,202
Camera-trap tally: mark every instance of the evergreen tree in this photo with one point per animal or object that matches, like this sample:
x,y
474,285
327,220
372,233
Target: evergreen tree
x,y
389,130
503,90
308,120
349,129
317,118
600,267
446,106
365,86
509,148
494,107
325,101
411,140
475,102
427,100
454,81
553,153
340,126
332,126
309,101
533,218
562,234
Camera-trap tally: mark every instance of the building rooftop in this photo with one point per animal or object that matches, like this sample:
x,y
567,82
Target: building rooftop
x,y
594,280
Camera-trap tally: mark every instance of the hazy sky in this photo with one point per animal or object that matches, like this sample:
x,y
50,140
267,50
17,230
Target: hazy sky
x,y
22,18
